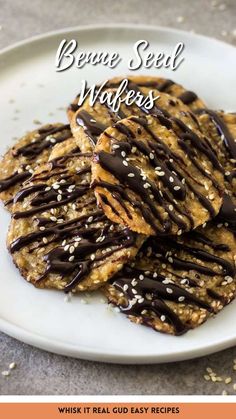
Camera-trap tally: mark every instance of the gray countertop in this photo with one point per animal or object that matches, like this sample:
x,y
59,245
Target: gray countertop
x,y
37,371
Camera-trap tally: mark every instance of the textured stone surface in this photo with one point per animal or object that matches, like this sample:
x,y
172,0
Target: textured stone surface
x,y
40,372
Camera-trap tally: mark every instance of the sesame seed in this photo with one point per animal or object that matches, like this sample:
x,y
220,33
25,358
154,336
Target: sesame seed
x,y
228,380
125,287
45,240
180,19
125,163
234,386
176,188
170,259
171,207
134,291
182,298
160,173
5,373
53,218
41,228
90,219
146,185
123,153
163,318
134,282
66,247
229,279
207,377
141,300
71,249
59,198
171,179
169,290
133,301
151,155
92,257
130,174
71,258
115,146
141,277
222,7
12,365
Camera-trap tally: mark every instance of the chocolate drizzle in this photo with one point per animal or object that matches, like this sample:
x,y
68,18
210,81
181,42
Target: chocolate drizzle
x,y
13,180
222,130
91,127
188,97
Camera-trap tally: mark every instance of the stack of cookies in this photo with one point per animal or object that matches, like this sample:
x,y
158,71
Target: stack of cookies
x,y
138,203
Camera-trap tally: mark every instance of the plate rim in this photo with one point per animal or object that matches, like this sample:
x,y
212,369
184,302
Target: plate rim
x,y
100,26
84,352
89,353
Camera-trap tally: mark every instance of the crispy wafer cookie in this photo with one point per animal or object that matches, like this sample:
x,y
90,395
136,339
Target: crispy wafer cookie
x,y
175,284
58,237
32,150
156,175
89,121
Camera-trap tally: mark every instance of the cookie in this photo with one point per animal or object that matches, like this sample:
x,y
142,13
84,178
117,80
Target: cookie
x,y
176,284
220,128
156,175
88,122
164,85
32,150
58,238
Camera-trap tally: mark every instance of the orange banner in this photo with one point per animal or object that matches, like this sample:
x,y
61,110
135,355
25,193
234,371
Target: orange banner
x,y
115,410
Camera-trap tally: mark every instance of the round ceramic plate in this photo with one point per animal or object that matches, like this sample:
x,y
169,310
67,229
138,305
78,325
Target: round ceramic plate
x,y
32,90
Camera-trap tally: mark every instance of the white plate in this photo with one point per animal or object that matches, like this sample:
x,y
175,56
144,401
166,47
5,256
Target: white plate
x,y
42,318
